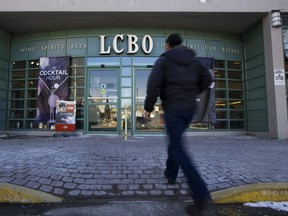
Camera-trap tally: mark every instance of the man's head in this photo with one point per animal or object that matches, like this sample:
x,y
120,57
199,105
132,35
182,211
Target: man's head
x,y
173,40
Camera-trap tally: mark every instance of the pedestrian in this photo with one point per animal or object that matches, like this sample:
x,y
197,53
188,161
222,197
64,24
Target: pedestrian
x,y
177,78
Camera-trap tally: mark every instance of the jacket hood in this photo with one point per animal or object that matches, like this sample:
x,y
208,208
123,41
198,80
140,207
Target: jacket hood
x,y
180,55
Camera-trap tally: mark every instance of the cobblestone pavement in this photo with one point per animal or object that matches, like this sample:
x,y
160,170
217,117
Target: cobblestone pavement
x,y
92,167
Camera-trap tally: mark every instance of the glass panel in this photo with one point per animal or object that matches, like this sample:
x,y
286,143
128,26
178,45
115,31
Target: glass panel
x,y
236,114
18,65
32,83
235,75
33,73
76,82
17,94
219,74
220,93
31,124
157,119
126,82
17,84
221,125
17,114
79,124
32,93
76,92
221,103
234,65
236,94
235,85
126,71
17,104
33,63
219,63
126,92
102,117
237,125
78,61
220,84
141,78
77,71
16,124
221,114
236,104
18,74
103,61
79,113
31,103
31,113
103,86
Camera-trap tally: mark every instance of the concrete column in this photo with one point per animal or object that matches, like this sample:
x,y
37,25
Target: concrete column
x,y
276,94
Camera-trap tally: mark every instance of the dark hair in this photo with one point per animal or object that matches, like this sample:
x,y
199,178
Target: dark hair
x,y
174,39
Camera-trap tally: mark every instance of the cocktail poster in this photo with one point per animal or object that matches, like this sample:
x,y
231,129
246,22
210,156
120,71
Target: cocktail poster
x,y
52,86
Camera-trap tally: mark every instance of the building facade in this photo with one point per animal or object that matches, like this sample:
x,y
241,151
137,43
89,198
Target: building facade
x,y
113,45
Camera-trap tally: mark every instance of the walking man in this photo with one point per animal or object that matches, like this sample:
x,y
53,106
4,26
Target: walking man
x,y
178,77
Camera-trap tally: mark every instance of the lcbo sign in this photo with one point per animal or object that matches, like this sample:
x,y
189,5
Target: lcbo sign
x,y
132,44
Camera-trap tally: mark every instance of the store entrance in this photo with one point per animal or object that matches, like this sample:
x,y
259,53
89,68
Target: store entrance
x,y
102,100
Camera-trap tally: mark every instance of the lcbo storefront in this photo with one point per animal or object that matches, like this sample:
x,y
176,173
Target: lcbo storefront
x,y
106,77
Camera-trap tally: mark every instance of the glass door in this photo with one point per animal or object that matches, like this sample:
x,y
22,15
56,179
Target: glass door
x,y
102,109
157,116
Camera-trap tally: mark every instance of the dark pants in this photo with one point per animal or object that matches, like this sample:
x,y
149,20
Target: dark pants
x,y
176,123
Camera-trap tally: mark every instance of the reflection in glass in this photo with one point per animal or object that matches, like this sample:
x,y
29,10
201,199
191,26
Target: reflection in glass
x,y
236,104
126,92
102,117
221,104
219,74
219,63
234,65
103,85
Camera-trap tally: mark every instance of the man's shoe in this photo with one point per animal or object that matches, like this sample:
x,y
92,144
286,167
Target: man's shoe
x,y
206,209
170,180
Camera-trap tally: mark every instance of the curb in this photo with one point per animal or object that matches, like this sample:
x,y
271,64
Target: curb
x,y
10,193
276,192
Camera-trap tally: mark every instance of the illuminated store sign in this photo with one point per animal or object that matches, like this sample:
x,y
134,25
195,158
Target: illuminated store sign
x,y
123,44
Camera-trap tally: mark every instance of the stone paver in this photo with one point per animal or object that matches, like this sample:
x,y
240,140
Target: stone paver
x,y
108,166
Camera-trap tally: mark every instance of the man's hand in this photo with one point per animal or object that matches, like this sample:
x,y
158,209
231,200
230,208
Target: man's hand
x,y
147,115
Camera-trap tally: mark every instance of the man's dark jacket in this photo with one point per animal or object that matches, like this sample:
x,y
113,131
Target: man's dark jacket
x,y
177,77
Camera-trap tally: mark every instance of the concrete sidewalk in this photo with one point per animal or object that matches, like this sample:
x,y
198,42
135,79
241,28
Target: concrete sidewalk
x,y
235,168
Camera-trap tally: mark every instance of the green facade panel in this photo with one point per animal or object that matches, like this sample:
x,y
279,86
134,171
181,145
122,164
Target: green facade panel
x,y
256,90
4,62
